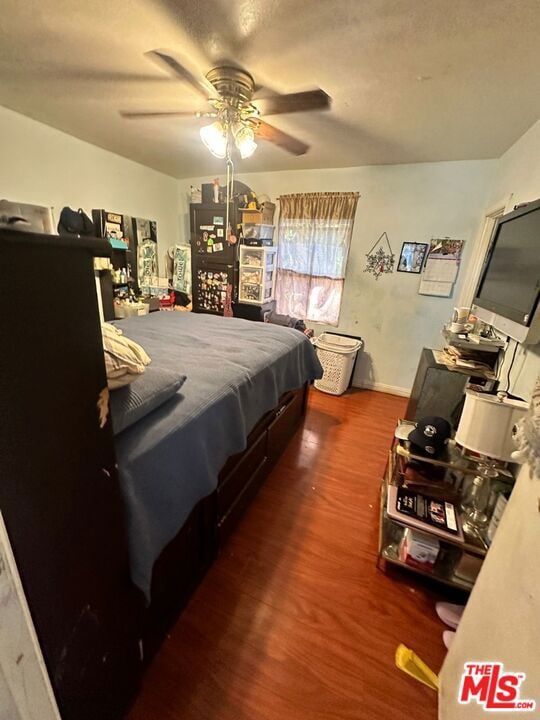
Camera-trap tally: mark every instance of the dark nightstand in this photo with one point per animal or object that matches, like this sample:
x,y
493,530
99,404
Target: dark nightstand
x,y
253,312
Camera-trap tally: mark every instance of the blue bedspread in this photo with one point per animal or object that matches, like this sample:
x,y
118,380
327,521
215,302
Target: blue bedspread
x,y
168,461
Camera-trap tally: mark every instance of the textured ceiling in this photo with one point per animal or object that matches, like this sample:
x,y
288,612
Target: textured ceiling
x,y
73,64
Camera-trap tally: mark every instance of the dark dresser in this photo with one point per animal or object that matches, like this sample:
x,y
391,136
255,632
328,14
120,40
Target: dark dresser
x,y
254,312
436,390
59,491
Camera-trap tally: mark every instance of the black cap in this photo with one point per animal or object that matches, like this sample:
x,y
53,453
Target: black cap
x,y
430,435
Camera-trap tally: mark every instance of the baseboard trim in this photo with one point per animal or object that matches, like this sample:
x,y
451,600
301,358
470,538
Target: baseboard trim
x,y
382,387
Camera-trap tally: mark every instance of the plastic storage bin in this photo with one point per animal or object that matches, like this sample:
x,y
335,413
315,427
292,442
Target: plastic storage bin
x,y
258,231
257,235
127,310
257,268
337,355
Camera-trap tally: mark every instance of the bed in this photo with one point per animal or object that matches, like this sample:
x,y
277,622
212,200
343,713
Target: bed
x,y
74,496
170,460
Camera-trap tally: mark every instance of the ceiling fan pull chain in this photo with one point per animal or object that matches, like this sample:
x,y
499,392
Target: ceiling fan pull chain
x,y
230,176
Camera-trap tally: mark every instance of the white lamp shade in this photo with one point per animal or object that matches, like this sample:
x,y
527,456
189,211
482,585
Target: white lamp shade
x,y
247,148
487,423
245,141
214,137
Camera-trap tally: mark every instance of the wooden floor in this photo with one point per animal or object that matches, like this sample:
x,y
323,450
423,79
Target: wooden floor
x,y
294,621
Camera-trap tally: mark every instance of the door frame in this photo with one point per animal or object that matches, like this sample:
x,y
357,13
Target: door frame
x,y
480,248
27,693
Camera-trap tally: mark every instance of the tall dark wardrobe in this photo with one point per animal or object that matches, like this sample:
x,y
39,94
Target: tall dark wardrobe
x,y
59,493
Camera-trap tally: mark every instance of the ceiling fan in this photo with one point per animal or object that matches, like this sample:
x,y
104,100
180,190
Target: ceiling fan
x,y
236,113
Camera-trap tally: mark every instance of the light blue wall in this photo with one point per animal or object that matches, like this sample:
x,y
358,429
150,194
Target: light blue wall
x,y
412,203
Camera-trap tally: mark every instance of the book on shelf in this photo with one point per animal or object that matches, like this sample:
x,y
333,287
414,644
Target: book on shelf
x,y
423,512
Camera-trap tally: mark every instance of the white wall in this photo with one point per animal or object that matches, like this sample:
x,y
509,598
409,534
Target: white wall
x,y
501,622
411,203
518,174
518,170
44,166
25,689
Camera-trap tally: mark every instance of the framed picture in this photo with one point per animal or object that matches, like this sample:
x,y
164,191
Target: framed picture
x,y
412,257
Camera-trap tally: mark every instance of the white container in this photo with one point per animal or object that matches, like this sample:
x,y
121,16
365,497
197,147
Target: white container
x,y
419,549
336,354
257,271
128,310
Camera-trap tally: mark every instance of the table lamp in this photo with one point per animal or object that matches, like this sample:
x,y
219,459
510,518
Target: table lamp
x,y
485,428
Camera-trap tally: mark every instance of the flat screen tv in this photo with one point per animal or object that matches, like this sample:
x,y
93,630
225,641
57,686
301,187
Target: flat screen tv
x,y
509,289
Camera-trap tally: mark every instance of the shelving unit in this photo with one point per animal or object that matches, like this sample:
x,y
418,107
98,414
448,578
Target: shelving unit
x,y
257,270
122,232
391,530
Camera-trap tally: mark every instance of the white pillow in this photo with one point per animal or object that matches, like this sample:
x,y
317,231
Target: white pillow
x,y
124,358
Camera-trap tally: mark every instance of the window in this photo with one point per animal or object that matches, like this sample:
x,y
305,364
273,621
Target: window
x,y
314,236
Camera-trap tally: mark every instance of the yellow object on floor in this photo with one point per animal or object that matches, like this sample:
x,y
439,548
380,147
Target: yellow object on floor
x,y
410,663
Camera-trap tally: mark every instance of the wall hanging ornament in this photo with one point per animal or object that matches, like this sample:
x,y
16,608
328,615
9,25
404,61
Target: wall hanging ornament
x,y
378,261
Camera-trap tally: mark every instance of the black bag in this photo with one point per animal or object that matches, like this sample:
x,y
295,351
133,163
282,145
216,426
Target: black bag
x,y
75,222
275,318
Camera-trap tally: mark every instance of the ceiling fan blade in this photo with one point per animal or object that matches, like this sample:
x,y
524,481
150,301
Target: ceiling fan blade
x,y
281,139
165,59
156,114
294,102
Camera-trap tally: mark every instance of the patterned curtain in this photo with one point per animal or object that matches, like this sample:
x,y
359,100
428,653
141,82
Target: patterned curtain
x,y
314,235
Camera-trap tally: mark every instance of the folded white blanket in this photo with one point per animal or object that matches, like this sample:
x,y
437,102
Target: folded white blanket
x,y
124,359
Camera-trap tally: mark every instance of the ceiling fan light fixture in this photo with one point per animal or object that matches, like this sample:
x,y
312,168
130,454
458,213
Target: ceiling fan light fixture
x,y
247,148
229,91
244,139
214,136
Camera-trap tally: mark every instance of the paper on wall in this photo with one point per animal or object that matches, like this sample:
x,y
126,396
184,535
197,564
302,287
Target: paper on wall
x,y
432,287
441,267
441,270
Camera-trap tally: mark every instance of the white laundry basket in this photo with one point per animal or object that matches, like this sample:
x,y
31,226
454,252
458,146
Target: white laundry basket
x,y
337,354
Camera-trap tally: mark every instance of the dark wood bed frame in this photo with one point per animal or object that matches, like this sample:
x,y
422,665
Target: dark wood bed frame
x,y
59,494
185,560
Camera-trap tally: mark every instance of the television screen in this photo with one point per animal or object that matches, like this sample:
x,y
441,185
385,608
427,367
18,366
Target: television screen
x,y
511,280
